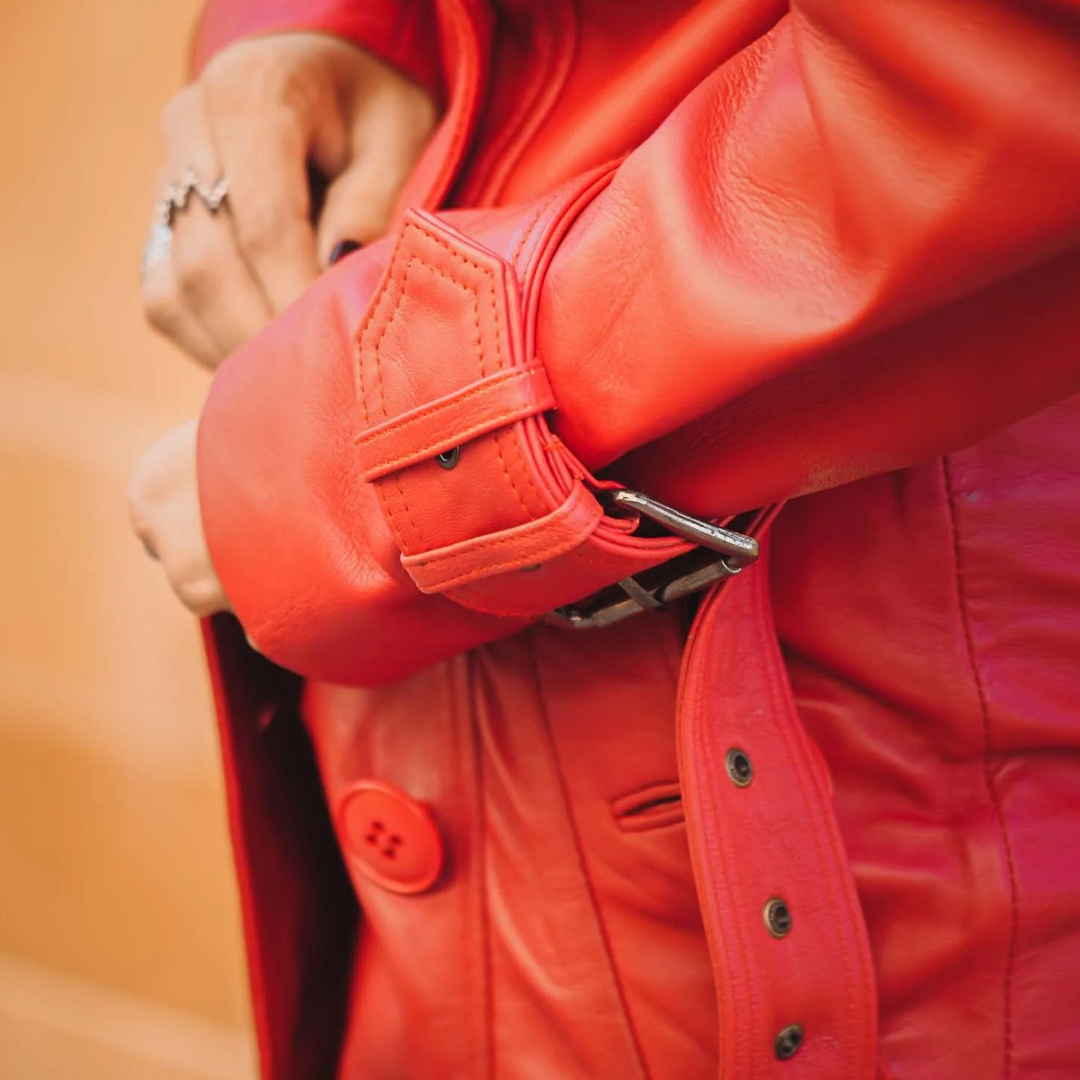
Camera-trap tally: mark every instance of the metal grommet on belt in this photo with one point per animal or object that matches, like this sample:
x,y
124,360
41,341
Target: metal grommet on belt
x,y
449,458
739,767
788,1041
778,917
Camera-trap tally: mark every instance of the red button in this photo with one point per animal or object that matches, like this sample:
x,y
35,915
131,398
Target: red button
x,y
390,837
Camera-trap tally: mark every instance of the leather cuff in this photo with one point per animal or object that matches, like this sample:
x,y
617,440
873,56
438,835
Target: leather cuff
x,y
486,505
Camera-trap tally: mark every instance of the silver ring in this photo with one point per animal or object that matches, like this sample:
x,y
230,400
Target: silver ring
x,y
178,195
158,247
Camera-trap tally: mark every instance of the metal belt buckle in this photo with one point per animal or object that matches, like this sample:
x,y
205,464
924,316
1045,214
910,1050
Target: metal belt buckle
x,y
721,553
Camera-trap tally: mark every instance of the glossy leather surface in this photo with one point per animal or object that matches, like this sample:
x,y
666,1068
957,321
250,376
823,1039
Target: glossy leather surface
x,y
840,262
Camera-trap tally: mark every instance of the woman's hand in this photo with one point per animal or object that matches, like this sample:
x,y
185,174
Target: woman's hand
x,y
163,500
264,112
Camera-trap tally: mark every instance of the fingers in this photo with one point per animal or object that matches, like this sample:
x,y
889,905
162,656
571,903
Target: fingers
x,y
389,129
203,296
357,208
163,500
263,110
165,310
264,150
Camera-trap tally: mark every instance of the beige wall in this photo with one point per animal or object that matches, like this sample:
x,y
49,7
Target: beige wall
x,y
119,938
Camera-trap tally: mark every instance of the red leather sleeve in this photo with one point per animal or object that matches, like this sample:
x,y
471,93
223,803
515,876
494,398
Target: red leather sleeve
x,y
403,33
853,247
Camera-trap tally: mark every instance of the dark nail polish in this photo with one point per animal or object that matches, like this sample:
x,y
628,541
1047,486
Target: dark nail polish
x,y
341,249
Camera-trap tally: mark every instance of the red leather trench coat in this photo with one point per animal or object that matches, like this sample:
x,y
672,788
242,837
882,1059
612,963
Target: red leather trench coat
x,y
731,254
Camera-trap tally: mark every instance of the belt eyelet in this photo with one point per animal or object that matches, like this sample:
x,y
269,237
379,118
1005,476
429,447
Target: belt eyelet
x,y
778,917
788,1041
739,767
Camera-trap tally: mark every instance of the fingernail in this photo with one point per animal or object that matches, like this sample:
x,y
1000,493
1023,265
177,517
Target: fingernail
x,y
341,249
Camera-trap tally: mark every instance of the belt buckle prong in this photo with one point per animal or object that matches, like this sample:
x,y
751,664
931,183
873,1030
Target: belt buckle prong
x,y
721,553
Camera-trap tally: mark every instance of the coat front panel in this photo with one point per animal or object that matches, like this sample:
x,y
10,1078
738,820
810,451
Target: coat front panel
x,y
562,935
929,621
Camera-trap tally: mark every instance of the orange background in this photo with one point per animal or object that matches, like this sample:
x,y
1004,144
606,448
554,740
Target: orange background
x,y
119,933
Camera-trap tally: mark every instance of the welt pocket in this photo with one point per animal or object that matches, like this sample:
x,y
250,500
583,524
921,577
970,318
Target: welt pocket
x,y
651,807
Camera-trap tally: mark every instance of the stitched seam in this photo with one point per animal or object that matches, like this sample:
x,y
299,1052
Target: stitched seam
x,y
499,358
365,324
480,839
473,295
727,940
465,435
493,381
497,439
486,271
526,235
988,779
578,552
506,564
409,514
528,230
785,710
376,347
554,210
763,645
465,577
361,367
523,463
579,849
466,588
536,527
427,234
835,857
513,485
391,318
